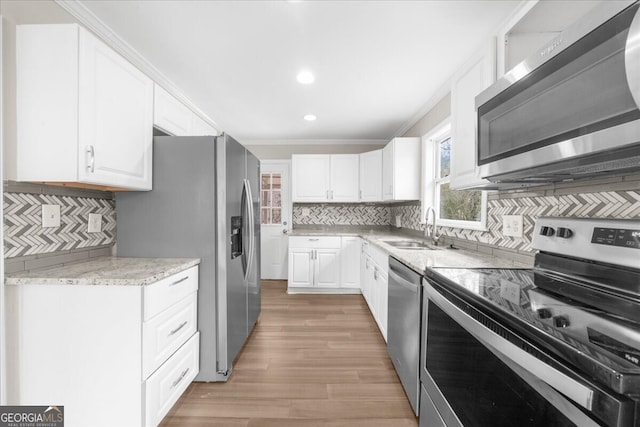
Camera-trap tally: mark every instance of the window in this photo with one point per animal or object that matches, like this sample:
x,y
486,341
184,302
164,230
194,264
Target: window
x,y
271,198
454,208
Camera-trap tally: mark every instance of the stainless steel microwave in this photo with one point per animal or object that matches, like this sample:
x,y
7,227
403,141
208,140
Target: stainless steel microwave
x,y
572,109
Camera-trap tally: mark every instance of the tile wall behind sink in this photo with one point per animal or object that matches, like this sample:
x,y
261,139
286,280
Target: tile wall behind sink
x,y
614,197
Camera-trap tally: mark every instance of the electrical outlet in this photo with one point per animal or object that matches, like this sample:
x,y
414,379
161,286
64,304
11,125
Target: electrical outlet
x,y
512,225
50,216
306,211
95,223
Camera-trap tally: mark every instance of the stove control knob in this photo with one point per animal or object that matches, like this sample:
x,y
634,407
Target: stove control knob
x,y
544,313
547,231
565,233
561,322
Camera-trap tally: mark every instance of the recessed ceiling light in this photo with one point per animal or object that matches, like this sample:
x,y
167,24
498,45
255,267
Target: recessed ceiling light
x,y
310,117
305,77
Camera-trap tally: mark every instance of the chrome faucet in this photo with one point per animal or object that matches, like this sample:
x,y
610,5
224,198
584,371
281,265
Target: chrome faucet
x,y
430,231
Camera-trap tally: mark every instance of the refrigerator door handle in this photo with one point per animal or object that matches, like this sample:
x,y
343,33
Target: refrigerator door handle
x,y
245,218
250,219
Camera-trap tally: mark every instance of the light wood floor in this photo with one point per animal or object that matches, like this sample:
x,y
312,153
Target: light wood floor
x,y
312,360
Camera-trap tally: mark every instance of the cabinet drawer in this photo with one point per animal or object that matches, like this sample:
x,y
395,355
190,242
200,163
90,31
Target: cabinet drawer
x,y
168,383
166,292
165,333
321,242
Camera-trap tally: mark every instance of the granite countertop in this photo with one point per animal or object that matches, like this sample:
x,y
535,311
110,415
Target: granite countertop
x,y
114,271
418,260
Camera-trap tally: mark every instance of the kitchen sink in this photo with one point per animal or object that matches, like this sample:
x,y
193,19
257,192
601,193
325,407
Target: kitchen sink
x,y
408,244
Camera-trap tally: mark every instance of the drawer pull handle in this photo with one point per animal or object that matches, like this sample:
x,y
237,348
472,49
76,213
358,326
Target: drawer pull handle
x,y
313,240
179,281
178,328
182,375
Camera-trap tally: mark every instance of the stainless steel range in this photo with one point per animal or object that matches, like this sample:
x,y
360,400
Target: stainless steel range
x,y
558,344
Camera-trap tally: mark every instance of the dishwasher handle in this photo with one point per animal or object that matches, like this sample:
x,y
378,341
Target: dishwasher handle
x,y
395,279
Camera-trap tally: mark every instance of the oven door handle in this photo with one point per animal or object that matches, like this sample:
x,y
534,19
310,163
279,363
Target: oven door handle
x,y
566,385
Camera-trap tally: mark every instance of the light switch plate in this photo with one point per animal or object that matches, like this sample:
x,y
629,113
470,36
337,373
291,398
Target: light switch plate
x,y
50,216
95,223
306,211
512,225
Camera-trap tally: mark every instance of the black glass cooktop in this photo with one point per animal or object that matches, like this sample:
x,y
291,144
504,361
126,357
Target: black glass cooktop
x,y
573,320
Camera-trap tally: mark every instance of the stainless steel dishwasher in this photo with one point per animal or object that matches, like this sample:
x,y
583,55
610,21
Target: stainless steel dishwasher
x,y
403,333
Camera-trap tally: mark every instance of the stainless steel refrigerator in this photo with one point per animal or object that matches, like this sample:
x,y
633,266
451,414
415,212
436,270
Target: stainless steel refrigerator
x,y
205,204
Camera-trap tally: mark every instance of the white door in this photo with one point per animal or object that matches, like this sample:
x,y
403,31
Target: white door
x,y
275,218
344,177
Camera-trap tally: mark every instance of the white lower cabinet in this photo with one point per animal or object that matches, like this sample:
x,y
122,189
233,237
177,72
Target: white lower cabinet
x,y
134,348
350,262
314,262
375,288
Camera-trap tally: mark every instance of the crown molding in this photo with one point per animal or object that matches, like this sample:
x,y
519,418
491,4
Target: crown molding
x,y
89,20
380,142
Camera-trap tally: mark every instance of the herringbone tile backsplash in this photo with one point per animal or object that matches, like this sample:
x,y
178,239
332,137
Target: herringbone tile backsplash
x,y
24,234
609,198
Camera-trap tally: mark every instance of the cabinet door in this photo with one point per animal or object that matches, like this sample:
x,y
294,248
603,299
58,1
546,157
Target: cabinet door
x,y
383,302
371,176
301,268
476,77
169,114
407,162
368,283
311,178
344,178
350,262
387,172
115,118
327,263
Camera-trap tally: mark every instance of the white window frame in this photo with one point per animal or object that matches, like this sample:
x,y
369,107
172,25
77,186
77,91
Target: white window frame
x,y
431,181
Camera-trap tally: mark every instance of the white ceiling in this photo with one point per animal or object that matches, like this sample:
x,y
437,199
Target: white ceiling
x,y
377,63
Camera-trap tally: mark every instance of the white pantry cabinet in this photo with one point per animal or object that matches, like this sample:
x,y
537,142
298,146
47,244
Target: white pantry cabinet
x,y
401,169
371,176
174,118
135,348
325,177
472,79
84,113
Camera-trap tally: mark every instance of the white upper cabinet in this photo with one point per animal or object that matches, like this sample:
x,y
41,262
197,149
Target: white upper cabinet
x,y
532,25
311,177
344,177
84,113
371,176
173,117
325,178
401,169
169,114
477,75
